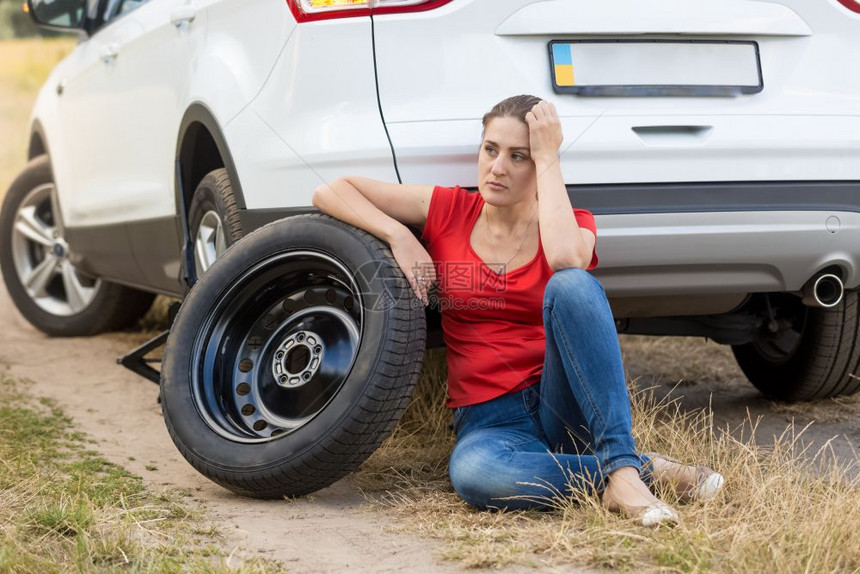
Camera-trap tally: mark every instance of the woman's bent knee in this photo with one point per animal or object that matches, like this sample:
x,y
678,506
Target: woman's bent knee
x,y
572,284
469,470
481,477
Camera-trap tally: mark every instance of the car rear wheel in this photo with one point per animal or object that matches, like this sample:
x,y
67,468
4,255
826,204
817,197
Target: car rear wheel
x,y
814,356
213,219
292,358
38,269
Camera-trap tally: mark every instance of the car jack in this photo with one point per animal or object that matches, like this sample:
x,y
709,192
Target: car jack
x,y
137,360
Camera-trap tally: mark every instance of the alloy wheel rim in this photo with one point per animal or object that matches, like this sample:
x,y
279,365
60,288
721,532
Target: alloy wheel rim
x,y
276,347
43,259
209,243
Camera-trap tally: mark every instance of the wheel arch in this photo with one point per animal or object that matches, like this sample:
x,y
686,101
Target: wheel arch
x,y
38,141
201,147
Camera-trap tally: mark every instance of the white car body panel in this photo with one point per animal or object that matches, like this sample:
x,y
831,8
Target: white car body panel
x,y
138,183
725,18
757,149
239,53
130,101
329,122
799,127
45,113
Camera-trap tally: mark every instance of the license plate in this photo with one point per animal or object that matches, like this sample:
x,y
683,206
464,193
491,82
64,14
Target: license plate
x,y
655,67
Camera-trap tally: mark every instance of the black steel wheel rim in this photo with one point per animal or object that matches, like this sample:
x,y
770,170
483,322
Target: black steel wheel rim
x,y
276,346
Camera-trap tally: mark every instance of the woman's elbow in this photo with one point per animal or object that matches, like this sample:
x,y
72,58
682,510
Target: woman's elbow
x,y
319,195
567,263
324,190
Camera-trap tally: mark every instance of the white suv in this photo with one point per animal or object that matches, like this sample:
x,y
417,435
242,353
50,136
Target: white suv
x,y
715,141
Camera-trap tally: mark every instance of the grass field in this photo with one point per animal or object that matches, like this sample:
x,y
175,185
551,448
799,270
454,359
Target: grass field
x,y
24,65
64,508
63,505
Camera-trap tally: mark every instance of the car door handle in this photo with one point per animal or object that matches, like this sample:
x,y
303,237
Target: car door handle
x,y
109,53
183,15
673,134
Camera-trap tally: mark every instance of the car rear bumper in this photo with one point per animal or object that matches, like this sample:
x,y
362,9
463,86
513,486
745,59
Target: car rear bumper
x,y
725,250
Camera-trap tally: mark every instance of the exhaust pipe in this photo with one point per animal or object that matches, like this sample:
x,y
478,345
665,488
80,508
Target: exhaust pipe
x,y
824,290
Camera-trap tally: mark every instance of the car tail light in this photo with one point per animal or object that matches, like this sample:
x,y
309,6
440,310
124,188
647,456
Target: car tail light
x,y
853,5
310,10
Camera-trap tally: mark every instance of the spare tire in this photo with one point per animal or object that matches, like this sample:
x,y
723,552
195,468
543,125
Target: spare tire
x,y
292,358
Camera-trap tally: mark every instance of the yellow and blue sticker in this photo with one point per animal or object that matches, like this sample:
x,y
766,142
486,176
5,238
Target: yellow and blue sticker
x,y
562,64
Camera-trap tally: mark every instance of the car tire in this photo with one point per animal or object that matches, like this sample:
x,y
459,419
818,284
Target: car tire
x,y
37,266
292,358
817,357
213,219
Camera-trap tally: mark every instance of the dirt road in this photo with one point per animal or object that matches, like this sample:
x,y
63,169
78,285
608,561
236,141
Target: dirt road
x,y
331,532
705,375
335,529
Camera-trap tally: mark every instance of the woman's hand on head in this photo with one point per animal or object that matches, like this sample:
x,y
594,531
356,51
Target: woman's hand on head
x,y
545,134
416,264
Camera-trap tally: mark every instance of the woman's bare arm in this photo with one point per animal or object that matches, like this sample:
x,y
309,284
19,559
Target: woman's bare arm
x,y
565,244
378,207
384,209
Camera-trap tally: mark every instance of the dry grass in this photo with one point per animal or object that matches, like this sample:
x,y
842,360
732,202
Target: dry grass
x,y
694,362
775,514
680,361
64,508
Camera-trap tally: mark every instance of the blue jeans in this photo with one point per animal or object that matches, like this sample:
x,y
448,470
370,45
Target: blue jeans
x,y
571,430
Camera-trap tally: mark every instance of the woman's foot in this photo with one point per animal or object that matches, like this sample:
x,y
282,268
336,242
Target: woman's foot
x,y
690,482
628,495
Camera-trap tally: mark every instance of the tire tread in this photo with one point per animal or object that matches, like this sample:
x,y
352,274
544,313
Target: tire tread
x,y
826,364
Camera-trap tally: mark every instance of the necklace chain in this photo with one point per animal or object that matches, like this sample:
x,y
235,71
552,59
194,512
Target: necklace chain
x,y
493,247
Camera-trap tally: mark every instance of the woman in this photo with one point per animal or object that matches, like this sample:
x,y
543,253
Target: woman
x,y
535,376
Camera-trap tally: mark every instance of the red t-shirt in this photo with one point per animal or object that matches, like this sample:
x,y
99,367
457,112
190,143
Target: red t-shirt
x,y
492,324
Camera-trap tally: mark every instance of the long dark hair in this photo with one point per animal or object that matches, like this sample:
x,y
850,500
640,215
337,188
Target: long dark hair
x,y
513,107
